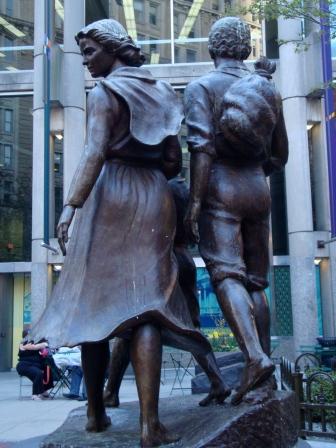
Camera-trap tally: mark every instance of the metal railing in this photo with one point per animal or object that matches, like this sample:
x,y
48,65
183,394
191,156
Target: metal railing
x,y
315,392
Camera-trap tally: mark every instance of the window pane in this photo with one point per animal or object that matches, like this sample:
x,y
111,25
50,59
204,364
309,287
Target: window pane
x,y
16,34
7,155
8,121
148,22
59,21
9,7
153,13
58,178
192,25
279,213
271,39
16,180
139,10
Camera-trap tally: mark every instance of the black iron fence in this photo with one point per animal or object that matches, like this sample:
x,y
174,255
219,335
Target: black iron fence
x,y
315,392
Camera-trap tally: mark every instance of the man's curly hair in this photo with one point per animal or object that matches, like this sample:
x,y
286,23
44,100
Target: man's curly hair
x,y
230,37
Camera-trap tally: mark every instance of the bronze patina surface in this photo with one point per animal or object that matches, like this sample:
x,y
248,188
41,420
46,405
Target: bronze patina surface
x,y
120,357
120,276
229,207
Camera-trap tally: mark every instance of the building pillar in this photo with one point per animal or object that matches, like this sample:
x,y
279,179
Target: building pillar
x,y
332,303
40,274
74,91
299,201
74,131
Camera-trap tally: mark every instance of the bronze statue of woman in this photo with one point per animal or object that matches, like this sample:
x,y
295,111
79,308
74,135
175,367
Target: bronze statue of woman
x,y
120,275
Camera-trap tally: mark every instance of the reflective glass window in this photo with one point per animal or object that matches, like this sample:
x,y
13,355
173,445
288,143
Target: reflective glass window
x,y
16,142
185,40
153,14
7,159
148,22
9,7
16,34
58,178
139,10
192,24
271,39
8,121
59,21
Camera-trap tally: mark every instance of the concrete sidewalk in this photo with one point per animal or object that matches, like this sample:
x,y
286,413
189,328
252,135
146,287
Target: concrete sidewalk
x,y
24,423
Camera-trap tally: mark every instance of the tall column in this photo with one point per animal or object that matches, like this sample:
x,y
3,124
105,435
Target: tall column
x,y
74,90
332,307
299,202
41,273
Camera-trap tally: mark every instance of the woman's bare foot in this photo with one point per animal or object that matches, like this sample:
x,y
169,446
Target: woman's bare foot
x,y
111,400
96,424
156,435
217,395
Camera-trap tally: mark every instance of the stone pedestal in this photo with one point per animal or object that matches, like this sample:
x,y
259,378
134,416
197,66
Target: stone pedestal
x,y
231,365
271,424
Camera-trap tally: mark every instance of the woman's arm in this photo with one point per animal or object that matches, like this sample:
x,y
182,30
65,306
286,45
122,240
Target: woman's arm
x,y
98,132
31,346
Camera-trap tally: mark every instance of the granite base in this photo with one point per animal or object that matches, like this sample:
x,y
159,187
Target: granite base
x,y
271,424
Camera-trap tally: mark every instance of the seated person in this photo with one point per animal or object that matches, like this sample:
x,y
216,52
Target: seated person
x,y
70,358
76,380
31,364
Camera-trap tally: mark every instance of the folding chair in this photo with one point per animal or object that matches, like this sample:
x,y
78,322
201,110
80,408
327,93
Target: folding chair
x,y
183,362
61,377
24,382
163,371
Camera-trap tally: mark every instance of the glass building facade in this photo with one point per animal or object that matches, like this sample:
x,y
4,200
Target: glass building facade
x,y
16,146
172,31
16,35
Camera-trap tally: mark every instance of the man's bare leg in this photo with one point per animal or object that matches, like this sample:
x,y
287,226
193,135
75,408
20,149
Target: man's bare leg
x,y
95,357
238,310
262,319
263,322
218,389
146,355
119,362
120,358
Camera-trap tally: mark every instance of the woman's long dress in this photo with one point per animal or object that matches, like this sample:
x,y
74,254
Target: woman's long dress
x,y
120,270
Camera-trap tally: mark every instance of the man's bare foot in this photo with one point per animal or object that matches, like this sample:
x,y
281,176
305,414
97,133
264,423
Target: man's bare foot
x,y
96,424
217,395
259,395
157,435
269,383
254,374
111,400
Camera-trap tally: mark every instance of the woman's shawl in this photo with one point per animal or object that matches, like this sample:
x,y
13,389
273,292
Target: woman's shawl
x,y
155,110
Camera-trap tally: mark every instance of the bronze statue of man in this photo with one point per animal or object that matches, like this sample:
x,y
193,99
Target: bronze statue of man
x,y
120,276
229,207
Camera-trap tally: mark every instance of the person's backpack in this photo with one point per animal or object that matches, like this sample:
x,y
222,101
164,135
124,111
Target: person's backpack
x,y
250,111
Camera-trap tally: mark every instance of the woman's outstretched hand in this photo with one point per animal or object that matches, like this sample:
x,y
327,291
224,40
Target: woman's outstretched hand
x,y
63,226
